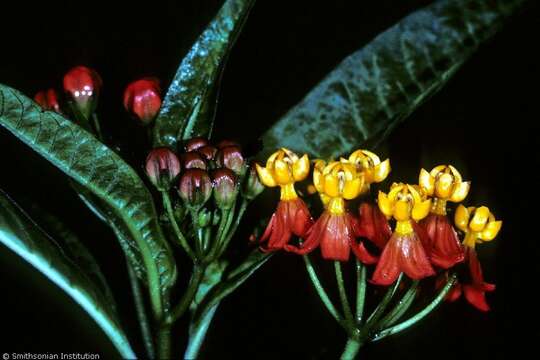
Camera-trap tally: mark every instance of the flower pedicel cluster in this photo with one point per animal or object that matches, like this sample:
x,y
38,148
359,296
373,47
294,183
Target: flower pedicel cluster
x,y
423,239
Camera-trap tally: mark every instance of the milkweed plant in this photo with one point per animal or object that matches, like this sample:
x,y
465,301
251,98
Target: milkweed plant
x,y
181,207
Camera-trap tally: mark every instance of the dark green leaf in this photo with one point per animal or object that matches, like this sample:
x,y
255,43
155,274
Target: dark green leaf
x,y
100,171
189,105
75,250
372,90
21,235
232,280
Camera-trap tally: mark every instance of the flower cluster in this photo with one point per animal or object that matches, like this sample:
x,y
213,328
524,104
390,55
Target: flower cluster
x,y
203,170
409,225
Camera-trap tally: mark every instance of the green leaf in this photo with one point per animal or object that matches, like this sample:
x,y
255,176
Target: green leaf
x,y
188,108
21,235
231,281
75,250
375,88
100,171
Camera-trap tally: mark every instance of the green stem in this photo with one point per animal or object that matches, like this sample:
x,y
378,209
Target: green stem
x,y
351,349
419,316
176,228
402,306
141,313
197,334
231,232
379,310
97,127
360,290
226,217
343,296
189,294
164,342
322,293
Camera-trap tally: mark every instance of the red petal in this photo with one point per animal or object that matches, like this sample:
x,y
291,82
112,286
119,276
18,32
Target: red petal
x,y
299,217
277,233
373,225
475,269
388,268
313,237
413,259
444,247
363,254
476,297
337,237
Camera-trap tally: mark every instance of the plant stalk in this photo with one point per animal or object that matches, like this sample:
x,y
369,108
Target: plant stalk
x,y
187,298
351,349
164,342
141,313
343,297
360,290
176,228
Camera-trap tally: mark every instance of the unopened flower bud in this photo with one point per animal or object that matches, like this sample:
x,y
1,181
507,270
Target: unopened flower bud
x,y
195,144
142,99
226,143
193,160
162,166
205,218
225,188
252,185
195,187
83,84
48,100
231,158
208,152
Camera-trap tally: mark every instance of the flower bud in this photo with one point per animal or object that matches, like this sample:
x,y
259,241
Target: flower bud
x,y
231,158
208,152
83,84
204,218
195,188
142,98
225,188
252,185
195,144
226,143
193,160
48,100
162,166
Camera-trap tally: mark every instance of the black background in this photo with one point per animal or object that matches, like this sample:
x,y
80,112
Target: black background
x,y
485,121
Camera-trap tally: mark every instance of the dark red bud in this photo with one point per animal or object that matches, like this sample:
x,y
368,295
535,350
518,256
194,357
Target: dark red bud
x,y
231,158
142,98
195,144
226,143
252,185
225,188
162,166
208,152
195,187
193,160
83,84
48,100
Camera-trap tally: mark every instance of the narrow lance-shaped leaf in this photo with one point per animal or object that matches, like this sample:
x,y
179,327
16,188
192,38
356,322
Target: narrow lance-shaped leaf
x,y
21,235
102,172
189,106
375,88
75,250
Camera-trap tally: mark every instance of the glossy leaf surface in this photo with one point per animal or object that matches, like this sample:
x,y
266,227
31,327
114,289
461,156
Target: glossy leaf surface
x,y
22,236
100,171
375,88
189,106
